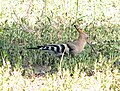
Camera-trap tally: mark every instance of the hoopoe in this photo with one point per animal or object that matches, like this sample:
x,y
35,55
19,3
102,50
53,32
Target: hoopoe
x,y
72,48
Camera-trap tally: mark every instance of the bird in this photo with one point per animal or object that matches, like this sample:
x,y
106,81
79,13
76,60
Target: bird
x,y
69,48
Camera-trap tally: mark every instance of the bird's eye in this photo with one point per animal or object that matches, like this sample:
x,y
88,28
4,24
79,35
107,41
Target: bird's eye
x,y
87,37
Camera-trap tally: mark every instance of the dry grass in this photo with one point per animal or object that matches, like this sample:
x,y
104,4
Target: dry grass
x,y
27,23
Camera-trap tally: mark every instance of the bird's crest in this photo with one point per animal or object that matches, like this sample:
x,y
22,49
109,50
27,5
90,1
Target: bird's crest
x,y
82,34
78,29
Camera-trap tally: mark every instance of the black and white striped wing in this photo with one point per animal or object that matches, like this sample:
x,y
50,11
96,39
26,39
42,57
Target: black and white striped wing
x,y
57,49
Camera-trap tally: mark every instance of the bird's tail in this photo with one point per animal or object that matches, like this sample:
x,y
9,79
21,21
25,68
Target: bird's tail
x,y
38,47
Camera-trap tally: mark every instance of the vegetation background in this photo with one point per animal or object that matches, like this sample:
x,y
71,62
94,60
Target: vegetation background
x,y
28,23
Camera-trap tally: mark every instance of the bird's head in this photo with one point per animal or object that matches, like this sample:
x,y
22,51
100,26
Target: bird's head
x,y
82,34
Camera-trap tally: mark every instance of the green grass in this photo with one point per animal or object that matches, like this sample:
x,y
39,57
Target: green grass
x,y
25,24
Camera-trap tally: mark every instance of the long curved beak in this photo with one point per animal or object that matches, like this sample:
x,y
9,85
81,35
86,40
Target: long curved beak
x,y
92,47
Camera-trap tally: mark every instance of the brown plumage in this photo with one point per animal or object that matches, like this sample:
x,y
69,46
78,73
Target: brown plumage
x,y
78,45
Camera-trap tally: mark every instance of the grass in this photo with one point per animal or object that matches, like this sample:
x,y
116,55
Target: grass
x,y
106,80
26,24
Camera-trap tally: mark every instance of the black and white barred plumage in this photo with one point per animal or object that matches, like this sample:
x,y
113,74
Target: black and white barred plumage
x,y
57,49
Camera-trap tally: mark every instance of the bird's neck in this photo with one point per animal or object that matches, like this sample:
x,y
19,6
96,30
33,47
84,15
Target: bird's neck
x,y
80,42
